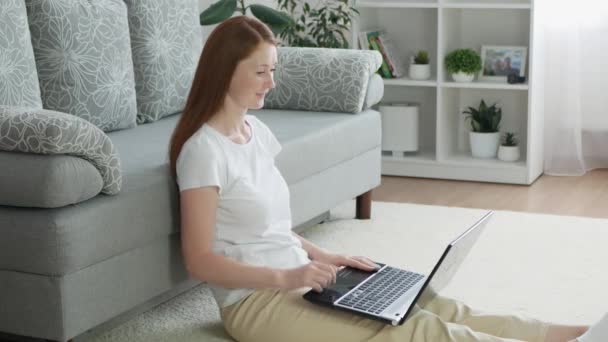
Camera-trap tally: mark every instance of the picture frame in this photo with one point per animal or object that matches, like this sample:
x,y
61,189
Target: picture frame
x,y
498,61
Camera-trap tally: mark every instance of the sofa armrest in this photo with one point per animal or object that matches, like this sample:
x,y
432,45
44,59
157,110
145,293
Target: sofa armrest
x,y
375,91
318,79
34,180
46,132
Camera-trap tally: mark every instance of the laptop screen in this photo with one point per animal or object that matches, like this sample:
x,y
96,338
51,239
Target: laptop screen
x,y
451,260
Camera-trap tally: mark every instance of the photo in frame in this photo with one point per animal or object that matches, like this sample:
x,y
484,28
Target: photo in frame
x,y
500,61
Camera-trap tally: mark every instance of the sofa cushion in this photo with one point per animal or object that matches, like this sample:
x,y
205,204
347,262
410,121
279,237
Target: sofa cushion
x,y
84,62
43,181
48,132
167,42
307,133
18,78
318,79
62,240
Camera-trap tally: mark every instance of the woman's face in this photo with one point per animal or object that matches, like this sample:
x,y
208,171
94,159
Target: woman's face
x,y
253,77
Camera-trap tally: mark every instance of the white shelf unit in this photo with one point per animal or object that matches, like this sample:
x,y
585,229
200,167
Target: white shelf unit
x,y
440,26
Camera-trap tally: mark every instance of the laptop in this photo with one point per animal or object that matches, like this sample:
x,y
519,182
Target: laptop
x,y
389,294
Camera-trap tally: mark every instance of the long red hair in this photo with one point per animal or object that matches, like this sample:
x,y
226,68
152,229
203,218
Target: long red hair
x,y
230,42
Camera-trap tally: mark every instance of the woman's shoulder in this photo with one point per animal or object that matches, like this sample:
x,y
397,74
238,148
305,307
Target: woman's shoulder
x,y
266,136
202,141
203,136
257,123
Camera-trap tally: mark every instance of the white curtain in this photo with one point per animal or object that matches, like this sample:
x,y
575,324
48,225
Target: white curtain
x,y
575,72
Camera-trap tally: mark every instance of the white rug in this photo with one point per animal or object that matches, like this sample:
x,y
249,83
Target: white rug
x,y
550,267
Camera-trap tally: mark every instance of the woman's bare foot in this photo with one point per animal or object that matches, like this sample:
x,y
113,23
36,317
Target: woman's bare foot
x,y
565,333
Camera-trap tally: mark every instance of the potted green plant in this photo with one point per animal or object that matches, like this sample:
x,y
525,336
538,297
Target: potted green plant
x,y
420,69
484,135
224,9
509,149
324,24
463,64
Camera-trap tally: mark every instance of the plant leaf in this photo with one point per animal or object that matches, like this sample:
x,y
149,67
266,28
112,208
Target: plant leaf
x,y
482,106
274,19
218,12
475,126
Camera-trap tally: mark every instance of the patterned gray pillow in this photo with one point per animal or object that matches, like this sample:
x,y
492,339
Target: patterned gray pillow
x,y
83,53
49,132
316,79
18,78
167,41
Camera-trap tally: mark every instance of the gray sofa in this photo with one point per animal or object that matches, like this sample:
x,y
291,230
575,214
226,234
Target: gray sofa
x,y
73,258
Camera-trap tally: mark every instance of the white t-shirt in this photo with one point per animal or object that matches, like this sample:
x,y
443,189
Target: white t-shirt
x,y
253,218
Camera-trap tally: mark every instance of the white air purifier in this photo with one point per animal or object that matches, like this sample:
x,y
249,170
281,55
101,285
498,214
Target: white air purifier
x,y
399,127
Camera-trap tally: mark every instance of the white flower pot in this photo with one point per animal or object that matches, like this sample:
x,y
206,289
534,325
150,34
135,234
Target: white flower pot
x,y
420,71
484,145
462,77
508,153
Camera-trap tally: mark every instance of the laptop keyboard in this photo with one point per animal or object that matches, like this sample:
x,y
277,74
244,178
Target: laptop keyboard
x,y
381,291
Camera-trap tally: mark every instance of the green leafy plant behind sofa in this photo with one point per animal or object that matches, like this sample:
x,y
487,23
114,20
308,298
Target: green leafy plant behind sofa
x,y
224,9
323,26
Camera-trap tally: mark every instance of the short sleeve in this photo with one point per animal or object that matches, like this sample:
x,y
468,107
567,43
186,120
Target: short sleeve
x,y
270,141
273,144
199,165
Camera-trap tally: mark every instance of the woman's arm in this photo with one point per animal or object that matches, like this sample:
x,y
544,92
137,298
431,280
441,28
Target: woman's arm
x,y
314,252
322,255
198,208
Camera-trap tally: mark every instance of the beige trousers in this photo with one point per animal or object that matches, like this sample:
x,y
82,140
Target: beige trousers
x,y
281,316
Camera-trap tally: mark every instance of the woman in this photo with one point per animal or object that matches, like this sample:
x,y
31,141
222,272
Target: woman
x,y
236,221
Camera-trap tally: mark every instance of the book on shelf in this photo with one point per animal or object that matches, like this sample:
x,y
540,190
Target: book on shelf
x,y
385,71
379,40
392,54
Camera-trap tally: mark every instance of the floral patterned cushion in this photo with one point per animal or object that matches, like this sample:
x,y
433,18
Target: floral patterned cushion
x,y
18,79
167,42
316,79
83,55
49,132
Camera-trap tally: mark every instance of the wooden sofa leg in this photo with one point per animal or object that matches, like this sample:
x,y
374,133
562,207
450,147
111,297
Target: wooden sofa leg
x,y
364,206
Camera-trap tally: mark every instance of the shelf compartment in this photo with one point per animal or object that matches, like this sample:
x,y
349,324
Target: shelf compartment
x,y
426,98
397,4
406,81
485,85
475,27
406,44
453,128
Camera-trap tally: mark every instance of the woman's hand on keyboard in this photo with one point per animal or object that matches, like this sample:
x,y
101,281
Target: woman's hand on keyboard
x,y
316,275
340,260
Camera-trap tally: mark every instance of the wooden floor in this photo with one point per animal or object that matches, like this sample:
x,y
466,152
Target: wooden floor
x,y
578,196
